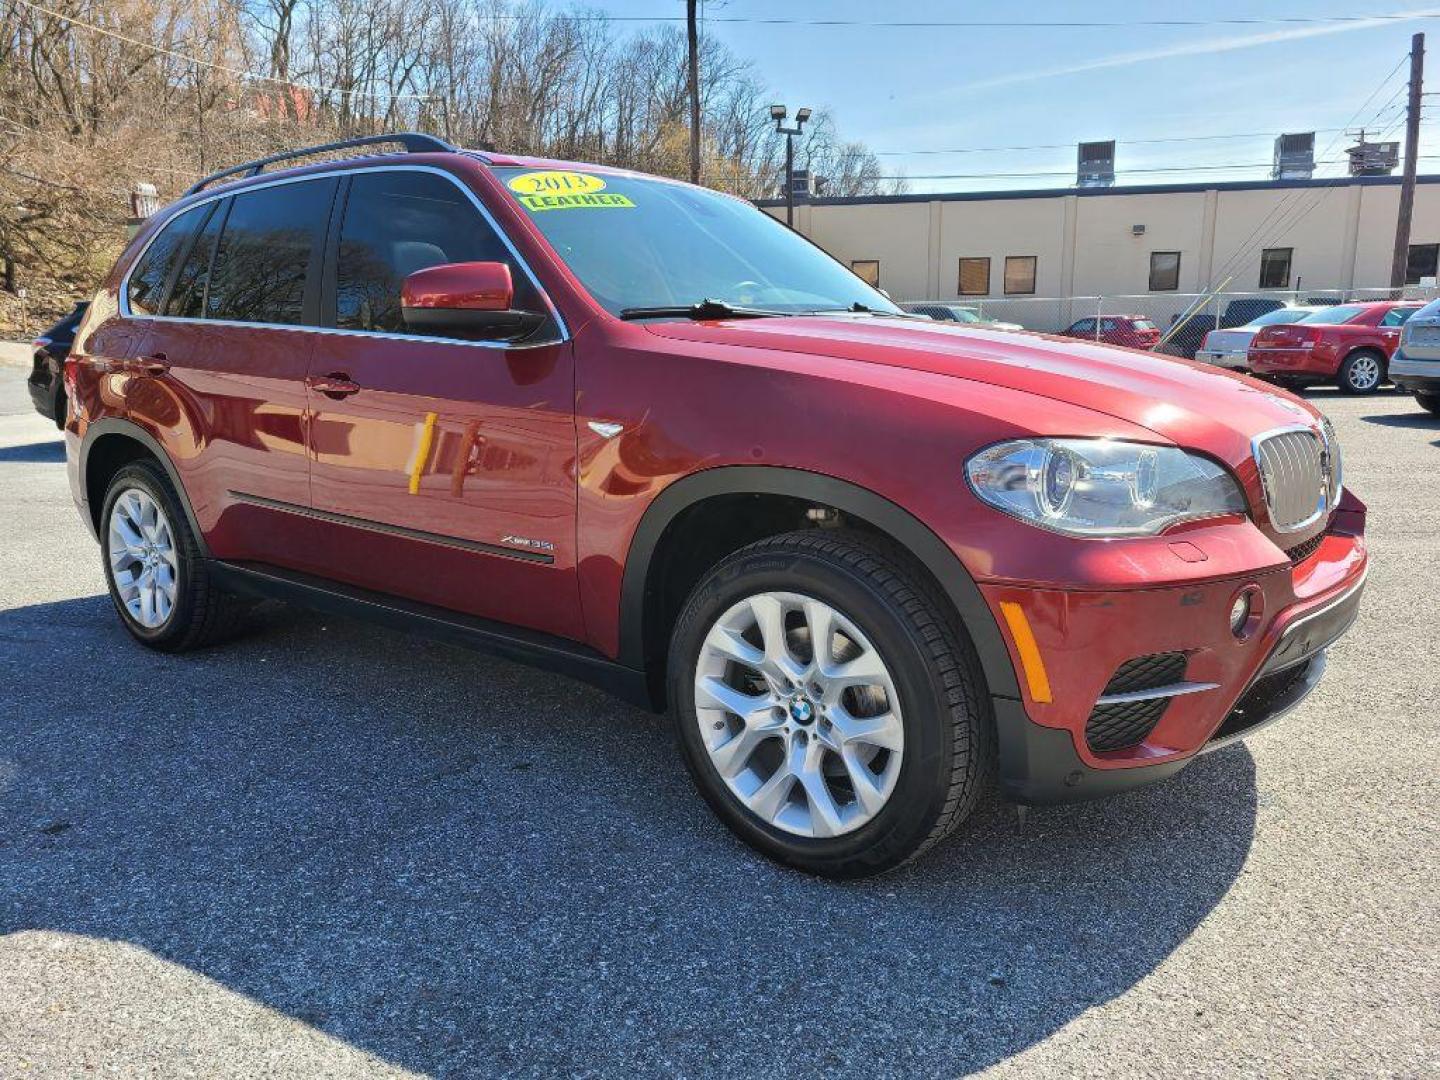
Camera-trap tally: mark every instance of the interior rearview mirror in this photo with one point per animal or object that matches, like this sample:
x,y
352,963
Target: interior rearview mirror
x,y
468,300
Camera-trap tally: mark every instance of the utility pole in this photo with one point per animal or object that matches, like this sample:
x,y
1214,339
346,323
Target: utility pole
x,y
1412,153
693,33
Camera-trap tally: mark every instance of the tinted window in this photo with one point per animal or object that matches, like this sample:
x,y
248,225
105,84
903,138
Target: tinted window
x,y
187,298
152,272
1275,268
265,253
398,222
1422,261
1164,271
1397,316
1084,326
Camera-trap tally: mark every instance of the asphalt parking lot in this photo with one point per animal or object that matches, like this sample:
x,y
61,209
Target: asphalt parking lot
x,y
330,850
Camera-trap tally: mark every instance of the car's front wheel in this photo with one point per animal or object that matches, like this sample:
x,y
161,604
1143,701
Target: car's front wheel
x,y
160,583
827,709
1362,372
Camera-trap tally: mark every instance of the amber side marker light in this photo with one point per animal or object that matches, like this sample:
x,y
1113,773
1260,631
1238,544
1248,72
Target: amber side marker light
x,y
1030,660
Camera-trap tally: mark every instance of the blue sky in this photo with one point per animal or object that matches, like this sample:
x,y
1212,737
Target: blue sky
x,y
906,90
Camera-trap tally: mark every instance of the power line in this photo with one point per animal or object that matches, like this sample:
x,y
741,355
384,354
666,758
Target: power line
x,y
237,72
980,24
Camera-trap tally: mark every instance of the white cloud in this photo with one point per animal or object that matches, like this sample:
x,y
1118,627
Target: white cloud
x,y
1193,48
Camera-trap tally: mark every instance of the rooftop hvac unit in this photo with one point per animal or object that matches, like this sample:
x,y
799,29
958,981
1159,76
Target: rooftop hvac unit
x,y
1373,158
1096,167
1294,156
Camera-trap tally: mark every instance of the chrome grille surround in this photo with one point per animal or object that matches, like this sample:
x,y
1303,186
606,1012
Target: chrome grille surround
x,y
1297,473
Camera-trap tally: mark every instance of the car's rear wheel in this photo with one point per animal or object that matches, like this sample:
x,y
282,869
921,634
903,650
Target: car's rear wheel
x,y
827,710
1362,372
159,582
1429,402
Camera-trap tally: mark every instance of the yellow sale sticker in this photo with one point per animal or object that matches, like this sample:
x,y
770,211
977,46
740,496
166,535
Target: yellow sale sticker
x,y
557,190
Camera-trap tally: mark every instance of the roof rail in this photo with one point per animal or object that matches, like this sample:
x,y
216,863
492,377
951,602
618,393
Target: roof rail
x,y
413,141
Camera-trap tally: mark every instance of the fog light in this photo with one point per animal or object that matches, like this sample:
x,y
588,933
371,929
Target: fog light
x,y
1240,614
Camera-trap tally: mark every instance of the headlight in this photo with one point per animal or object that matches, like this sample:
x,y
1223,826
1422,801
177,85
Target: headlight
x,y
1101,487
1334,470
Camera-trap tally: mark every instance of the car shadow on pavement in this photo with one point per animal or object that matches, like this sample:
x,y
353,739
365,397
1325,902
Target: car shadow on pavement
x,y
41,452
469,867
1418,419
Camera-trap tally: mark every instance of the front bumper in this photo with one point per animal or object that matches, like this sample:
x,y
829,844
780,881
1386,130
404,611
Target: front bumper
x,y
1234,686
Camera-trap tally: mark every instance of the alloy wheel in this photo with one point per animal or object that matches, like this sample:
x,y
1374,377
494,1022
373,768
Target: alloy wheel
x,y
143,561
798,712
1364,373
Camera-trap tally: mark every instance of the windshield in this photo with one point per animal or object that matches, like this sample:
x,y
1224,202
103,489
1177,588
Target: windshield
x,y
1143,324
964,314
1334,316
640,243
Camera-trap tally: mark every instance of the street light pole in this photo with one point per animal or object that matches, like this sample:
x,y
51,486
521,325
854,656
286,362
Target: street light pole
x,y
778,114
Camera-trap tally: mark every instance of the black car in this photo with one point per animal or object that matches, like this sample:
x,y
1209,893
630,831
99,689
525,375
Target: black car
x,y
47,382
1187,340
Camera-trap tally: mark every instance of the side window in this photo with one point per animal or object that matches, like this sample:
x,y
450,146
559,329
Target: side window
x,y
1084,326
146,293
1397,316
264,257
187,298
398,221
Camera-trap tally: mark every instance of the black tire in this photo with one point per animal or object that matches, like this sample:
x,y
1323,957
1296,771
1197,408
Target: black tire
x,y
61,408
1429,402
202,614
1355,366
948,729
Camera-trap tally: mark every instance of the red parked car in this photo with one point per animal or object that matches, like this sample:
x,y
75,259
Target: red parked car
x,y
641,433
1132,331
1348,344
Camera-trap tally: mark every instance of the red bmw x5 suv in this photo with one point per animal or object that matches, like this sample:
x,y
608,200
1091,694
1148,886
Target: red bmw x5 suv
x,y
641,433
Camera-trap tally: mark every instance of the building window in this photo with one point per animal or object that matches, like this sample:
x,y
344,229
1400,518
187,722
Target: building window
x,y
1019,274
1164,271
1422,262
867,270
1275,268
974,277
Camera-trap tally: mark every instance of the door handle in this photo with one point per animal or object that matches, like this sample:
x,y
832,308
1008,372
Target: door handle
x,y
155,364
336,385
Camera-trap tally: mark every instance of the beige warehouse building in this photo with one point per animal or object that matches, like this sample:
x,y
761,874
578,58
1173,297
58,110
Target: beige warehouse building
x,y
1298,237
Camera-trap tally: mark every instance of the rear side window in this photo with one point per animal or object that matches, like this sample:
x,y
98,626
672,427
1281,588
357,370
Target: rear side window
x,y
146,293
269,249
1397,316
400,221
187,297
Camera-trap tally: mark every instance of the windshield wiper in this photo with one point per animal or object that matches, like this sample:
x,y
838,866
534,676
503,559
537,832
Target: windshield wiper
x,y
858,308
705,309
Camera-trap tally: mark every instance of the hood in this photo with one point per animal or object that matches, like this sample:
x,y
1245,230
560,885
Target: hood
x,y
1185,403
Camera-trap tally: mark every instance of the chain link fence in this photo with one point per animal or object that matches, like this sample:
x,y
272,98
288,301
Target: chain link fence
x,y
1181,319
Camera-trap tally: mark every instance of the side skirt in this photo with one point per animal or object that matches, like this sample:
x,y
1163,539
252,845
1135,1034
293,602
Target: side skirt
x,y
510,642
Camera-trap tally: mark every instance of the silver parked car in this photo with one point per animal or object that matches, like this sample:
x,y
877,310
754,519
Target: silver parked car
x,y
958,313
1227,348
1416,363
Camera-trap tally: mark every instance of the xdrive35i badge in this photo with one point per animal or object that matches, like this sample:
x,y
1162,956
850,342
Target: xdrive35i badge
x,y
526,542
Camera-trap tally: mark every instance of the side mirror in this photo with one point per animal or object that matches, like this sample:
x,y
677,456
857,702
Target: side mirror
x,y
469,299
